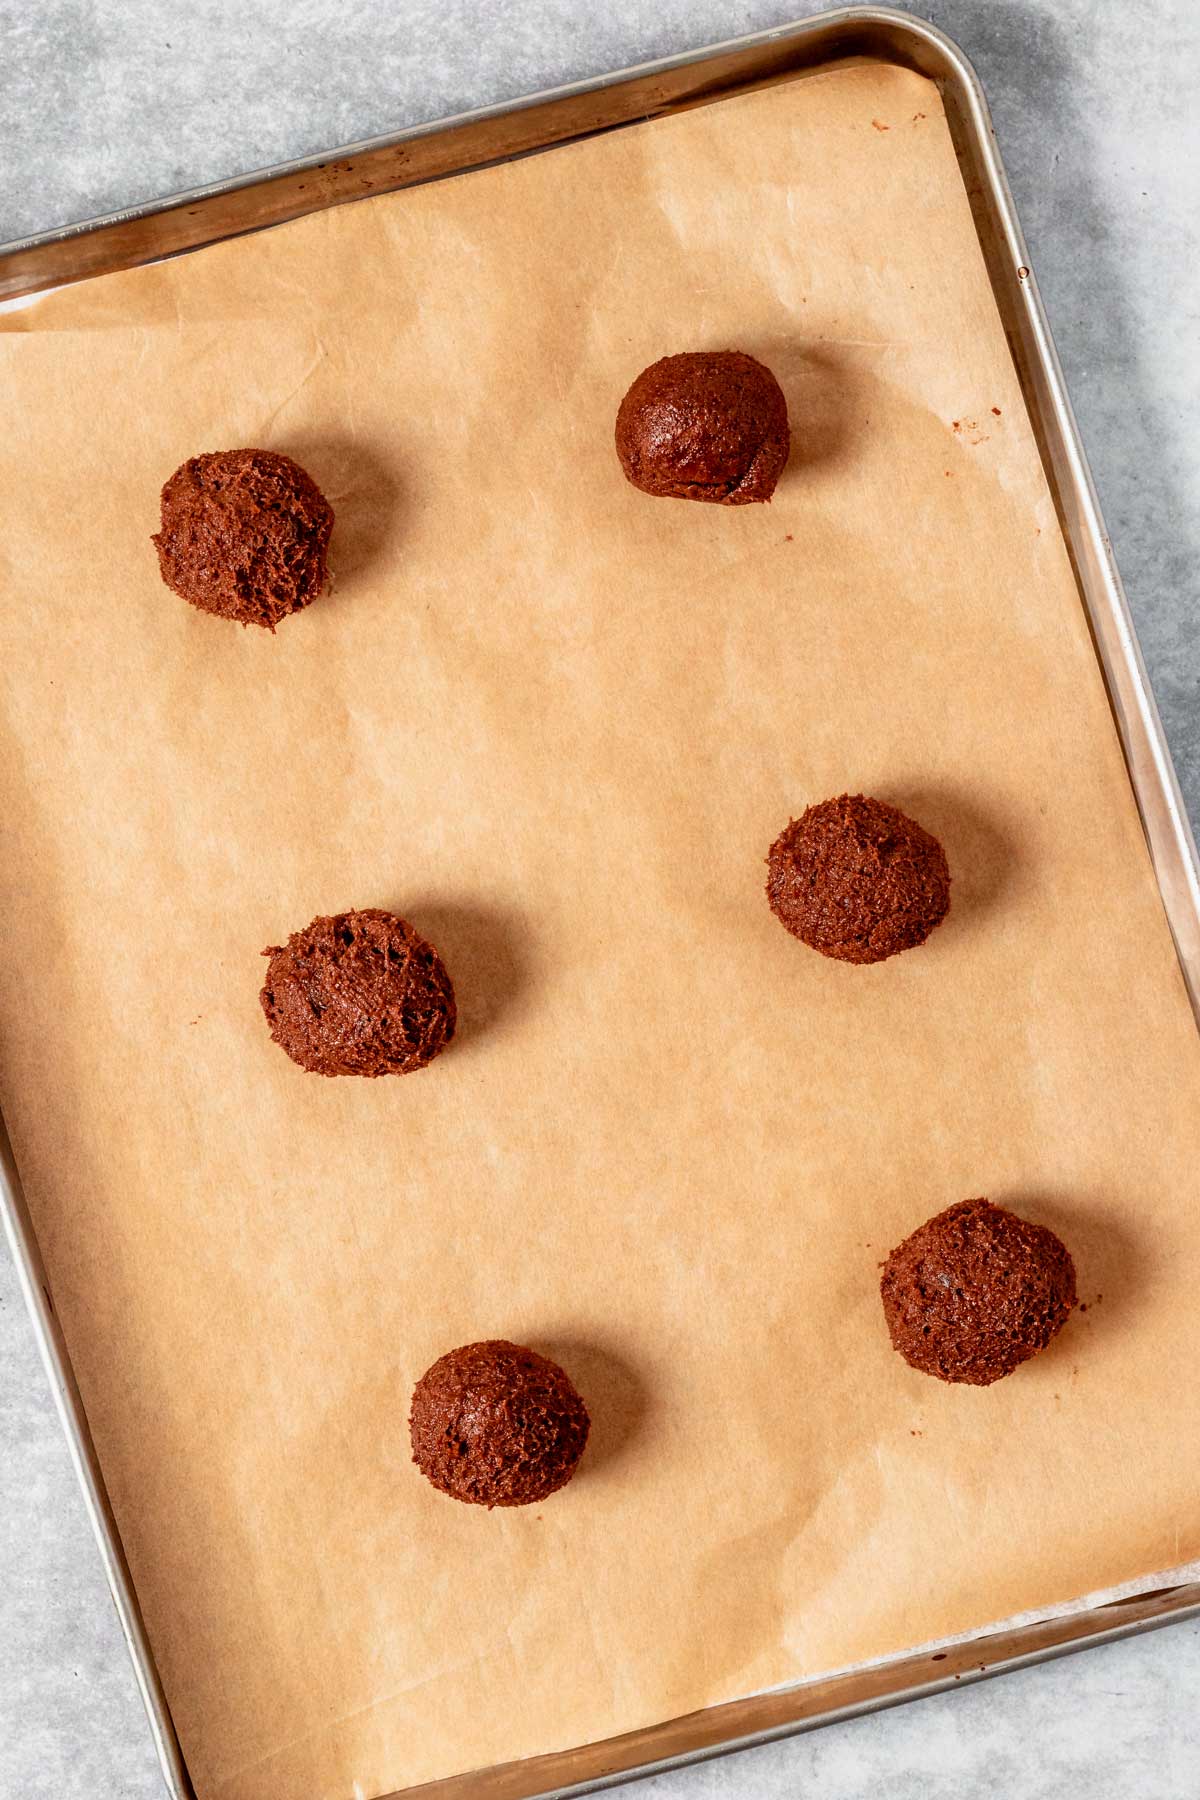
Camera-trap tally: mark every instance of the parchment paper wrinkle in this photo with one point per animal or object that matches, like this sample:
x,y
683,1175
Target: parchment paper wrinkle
x,y
556,725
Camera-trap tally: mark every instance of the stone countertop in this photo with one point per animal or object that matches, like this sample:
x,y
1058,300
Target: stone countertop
x,y
107,102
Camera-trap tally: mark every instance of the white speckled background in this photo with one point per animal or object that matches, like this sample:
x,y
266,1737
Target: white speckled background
x,y
106,102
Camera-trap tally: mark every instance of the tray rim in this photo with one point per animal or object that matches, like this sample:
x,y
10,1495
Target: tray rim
x,y
36,263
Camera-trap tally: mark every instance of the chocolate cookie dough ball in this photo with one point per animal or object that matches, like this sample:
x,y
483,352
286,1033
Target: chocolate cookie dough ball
x,y
244,535
497,1425
858,880
708,425
361,993
976,1292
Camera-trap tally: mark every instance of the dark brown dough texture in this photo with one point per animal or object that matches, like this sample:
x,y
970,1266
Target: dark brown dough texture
x,y
244,535
360,993
858,880
495,1424
975,1292
707,425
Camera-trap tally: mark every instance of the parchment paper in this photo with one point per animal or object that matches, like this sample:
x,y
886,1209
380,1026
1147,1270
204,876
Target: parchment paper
x,y
557,724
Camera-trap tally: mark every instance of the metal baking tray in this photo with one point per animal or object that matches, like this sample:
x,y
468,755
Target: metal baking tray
x,y
496,134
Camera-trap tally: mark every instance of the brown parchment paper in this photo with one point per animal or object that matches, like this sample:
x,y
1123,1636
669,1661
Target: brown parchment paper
x,y
557,724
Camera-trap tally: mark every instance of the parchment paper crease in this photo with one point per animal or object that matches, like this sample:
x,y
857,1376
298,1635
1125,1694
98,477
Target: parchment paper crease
x,y
557,724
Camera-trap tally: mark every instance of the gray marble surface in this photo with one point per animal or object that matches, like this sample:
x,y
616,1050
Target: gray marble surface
x,y
108,102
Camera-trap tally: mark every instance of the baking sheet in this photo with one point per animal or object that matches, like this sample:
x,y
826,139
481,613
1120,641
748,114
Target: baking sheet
x,y
557,725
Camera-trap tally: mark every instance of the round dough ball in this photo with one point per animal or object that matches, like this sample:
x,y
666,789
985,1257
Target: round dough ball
x,y
976,1292
858,880
244,535
707,425
494,1424
361,993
